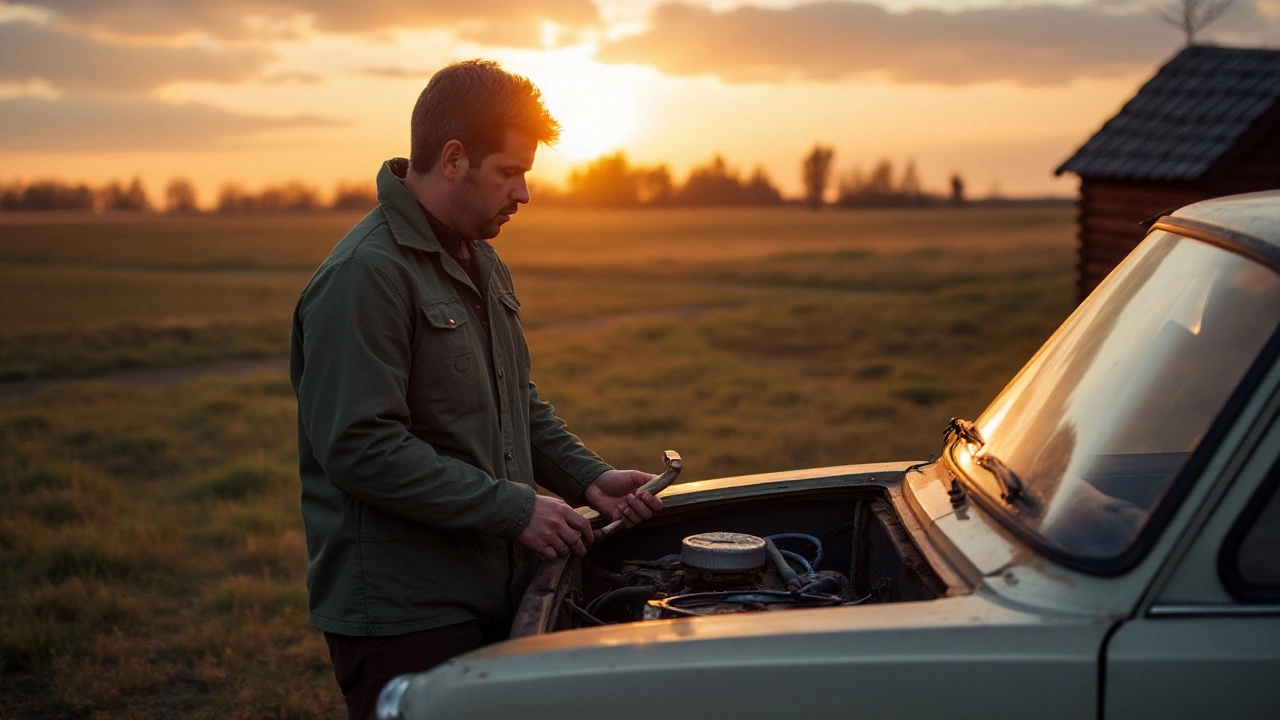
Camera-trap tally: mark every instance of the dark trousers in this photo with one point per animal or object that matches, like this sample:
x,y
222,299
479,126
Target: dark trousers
x,y
362,665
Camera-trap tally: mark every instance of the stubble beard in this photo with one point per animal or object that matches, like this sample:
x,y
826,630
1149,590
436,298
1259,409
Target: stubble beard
x,y
488,227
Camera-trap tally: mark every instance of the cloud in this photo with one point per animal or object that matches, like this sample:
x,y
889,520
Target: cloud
x,y
293,77
397,73
111,124
1030,45
505,22
30,51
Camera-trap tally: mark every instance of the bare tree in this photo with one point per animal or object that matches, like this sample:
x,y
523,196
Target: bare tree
x,y
909,185
180,196
817,171
1192,16
957,189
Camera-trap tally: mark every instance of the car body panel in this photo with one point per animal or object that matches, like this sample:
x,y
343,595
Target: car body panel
x,y
1196,650
842,661
1194,667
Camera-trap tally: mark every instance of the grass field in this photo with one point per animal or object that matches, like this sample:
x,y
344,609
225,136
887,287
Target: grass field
x,y
150,541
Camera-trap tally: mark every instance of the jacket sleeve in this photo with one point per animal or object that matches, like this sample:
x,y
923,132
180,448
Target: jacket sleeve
x,y
561,463
357,332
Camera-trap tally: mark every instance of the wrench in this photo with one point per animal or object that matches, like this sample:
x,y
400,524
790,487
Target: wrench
x,y
674,464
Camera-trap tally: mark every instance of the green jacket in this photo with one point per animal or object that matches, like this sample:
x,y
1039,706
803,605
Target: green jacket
x,y
420,436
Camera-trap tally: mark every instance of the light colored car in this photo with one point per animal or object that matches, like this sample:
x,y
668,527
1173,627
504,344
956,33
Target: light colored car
x,y
1103,541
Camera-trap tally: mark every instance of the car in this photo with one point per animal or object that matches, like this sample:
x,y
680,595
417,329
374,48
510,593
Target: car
x,y
1102,541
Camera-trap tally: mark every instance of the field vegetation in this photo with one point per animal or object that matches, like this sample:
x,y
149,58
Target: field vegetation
x,y
151,551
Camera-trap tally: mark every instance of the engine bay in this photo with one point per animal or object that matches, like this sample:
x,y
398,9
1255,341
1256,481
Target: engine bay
x,y
754,555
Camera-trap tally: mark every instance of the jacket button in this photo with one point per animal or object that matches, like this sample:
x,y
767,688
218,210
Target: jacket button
x,y
451,321
479,309
509,455
500,374
484,325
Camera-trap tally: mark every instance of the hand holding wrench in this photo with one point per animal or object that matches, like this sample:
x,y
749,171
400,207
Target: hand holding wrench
x,y
674,465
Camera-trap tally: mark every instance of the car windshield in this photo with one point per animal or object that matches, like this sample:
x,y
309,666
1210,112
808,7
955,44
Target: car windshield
x,y
1099,423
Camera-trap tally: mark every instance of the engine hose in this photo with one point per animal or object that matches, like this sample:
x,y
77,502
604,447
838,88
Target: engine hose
x,y
799,559
825,585
599,603
812,540
789,576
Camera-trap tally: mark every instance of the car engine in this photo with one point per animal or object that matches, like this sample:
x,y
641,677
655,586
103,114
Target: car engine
x,y
714,573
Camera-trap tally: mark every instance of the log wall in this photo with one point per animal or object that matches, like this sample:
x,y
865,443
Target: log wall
x,y
1110,212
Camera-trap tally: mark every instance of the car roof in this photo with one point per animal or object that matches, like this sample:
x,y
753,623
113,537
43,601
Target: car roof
x,y
1254,214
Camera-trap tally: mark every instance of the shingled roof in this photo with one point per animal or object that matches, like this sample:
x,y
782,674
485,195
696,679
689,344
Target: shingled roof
x,y
1185,119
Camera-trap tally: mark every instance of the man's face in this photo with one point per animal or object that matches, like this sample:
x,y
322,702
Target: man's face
x,y
490,193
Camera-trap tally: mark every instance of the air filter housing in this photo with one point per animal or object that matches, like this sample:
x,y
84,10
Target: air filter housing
x,y
723,552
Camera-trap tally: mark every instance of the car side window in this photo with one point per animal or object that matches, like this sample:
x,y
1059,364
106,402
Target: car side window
x,y
1249,562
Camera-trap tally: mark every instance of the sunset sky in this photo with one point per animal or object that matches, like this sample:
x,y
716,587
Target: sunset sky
x,y
264,91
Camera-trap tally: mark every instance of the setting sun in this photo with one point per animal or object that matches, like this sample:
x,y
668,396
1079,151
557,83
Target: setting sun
x,y
594,103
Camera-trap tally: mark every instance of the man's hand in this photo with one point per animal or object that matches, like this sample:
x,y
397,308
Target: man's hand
x,y
555,529
612,495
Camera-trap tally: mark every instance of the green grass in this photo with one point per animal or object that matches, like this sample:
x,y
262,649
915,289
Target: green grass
x,y
150,541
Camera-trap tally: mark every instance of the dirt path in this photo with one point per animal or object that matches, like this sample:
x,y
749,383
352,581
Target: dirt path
x,y
148,377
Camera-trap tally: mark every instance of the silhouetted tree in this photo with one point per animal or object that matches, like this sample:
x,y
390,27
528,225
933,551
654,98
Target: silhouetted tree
x,y
233,199
909,185
361,196
127,199
290,197
880,180
759,190
957,189
851,183
47,195
607,181
180,196
712,184
654,185
1192,16
817,172
878,188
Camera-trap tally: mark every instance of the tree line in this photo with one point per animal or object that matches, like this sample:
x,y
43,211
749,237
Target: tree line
x,y
607,181
612,181
180,197
878,186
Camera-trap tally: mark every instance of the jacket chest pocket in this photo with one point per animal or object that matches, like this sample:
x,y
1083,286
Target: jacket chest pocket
x,y
510,305
448,383
443,341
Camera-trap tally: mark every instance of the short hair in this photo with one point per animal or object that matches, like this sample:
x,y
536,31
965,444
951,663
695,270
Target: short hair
x,y
476,102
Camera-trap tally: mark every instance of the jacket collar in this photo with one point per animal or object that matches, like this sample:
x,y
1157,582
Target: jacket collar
x,y
408,224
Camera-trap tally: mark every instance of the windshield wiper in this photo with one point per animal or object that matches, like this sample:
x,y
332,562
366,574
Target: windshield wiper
x,y
1010,483
964,430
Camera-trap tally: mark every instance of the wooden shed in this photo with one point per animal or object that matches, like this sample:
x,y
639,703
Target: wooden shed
x,y
1207,124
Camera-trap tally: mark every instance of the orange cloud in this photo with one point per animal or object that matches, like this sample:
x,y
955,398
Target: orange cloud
x,y
512,22
1029,45
103,123
30,51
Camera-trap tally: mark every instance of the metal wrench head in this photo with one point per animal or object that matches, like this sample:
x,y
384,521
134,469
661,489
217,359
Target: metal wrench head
x,y
672,460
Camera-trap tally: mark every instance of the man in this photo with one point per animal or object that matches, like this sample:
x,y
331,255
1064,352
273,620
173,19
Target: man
x,y
420,435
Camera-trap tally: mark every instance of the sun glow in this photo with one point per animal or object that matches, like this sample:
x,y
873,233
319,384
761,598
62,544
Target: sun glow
x,y
594,103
